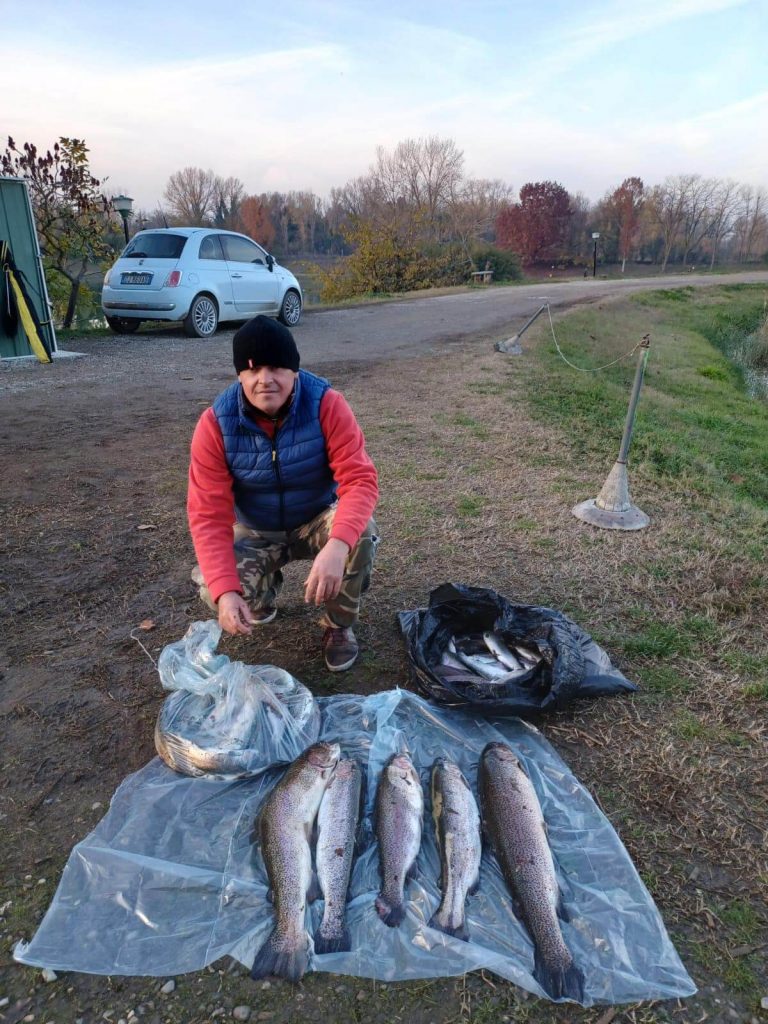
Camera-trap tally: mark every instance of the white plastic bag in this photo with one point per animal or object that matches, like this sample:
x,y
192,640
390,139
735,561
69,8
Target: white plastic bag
x,y
227,719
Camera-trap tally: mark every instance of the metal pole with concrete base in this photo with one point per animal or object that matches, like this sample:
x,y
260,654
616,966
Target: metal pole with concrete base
x,y
612,509
512,345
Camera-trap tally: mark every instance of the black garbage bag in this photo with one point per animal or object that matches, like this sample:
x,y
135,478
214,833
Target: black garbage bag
x,y
570,664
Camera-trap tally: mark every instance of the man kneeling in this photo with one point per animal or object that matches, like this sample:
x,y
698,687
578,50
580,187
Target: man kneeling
x,y
281,455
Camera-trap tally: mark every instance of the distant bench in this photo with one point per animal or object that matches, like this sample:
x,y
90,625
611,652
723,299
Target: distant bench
x,y
482,276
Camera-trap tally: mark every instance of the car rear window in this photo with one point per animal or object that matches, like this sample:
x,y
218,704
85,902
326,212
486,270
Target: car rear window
x,y
158,246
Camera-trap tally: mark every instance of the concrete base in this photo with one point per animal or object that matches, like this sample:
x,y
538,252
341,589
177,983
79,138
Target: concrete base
x,y
632,519
25,360
511,346
612,508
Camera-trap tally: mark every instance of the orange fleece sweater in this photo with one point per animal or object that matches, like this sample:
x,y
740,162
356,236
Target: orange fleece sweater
x,y
210,501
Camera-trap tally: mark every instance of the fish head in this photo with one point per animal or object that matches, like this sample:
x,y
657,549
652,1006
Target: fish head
x,y
323,757
444,768
402,776
346,768
501,754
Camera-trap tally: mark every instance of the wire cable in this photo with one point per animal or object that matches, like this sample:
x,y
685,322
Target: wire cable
x,y
587,369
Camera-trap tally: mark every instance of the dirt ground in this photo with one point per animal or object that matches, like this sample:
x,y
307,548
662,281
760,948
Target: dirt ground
x,y
94,542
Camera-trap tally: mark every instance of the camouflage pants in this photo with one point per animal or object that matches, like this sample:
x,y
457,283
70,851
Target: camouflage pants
x,y
261,555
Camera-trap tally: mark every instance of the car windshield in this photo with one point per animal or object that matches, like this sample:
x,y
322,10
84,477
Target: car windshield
x,y
158,245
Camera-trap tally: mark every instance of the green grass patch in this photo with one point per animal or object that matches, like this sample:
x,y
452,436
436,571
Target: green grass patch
x,y
688,727
659,639
741,917
698,433
712,372
664,680
469,506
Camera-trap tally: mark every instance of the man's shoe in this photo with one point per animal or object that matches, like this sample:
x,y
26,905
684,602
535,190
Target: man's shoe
x,y
339,648
261,616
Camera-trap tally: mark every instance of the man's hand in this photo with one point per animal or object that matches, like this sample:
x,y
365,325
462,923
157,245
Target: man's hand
x,y
234,613
324,580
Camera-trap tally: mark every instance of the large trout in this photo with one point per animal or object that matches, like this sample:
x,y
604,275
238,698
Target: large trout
x,y
514,825
285,826
336,828
399,816
457,826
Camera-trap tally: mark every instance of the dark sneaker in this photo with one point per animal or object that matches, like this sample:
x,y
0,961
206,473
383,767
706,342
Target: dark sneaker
x,y
339,648
261,616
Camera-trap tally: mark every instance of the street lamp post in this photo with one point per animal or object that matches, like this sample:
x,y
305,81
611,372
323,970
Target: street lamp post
x,y
595,236
123,205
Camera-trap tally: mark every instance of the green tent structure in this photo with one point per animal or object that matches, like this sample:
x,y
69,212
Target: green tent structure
x,y
26,328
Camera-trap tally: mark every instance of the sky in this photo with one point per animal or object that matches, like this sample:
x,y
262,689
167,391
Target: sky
x,y
299,95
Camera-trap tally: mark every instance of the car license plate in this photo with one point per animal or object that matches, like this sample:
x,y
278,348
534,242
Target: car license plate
x,y
135,278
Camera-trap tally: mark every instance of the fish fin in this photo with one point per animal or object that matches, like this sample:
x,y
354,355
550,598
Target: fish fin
x,y
458,933
341,943
562,911
314,892
412,872
391,914
560,983
270,895
474,887
290,964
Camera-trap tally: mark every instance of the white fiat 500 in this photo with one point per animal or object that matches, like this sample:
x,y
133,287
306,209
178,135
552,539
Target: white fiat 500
x,y
198,276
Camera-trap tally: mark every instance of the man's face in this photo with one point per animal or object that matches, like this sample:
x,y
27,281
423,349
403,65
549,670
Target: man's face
x,y
267,388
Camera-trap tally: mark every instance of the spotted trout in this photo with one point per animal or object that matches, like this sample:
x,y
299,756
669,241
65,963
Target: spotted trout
x,y
336,828
457,825
399,815
514,825
285,827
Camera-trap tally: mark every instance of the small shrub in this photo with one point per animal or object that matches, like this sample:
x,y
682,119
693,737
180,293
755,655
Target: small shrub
x,y
714,372
504,264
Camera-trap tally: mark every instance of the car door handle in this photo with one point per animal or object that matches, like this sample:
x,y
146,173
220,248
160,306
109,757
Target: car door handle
x,y
236,275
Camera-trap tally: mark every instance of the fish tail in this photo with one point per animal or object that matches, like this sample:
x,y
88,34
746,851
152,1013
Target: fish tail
x,y
390,911
458,932
560,981
339,942
280,960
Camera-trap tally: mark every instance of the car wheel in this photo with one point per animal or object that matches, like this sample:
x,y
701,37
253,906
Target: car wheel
x,y
123,325
202,319
290,310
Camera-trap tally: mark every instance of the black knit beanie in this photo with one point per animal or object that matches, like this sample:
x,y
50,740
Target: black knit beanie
x,y
264,342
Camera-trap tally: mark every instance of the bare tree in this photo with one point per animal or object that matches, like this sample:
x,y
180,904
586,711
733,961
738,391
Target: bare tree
x,y
750,218
411,189
724,202
191,195
228,195
667,207
697,212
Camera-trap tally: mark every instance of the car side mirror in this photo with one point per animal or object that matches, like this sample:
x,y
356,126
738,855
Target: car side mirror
x,y
270,262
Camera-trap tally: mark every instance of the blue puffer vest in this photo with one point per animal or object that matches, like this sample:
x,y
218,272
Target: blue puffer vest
x,y
283,482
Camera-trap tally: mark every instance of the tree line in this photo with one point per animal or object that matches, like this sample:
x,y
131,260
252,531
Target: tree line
x,y
414,219
419,194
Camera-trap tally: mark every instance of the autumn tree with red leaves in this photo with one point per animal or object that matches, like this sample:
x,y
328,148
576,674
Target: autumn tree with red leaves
x,y
627,203
536,227
256,221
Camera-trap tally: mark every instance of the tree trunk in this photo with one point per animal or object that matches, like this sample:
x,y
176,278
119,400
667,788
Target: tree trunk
x,y
74,292
623,263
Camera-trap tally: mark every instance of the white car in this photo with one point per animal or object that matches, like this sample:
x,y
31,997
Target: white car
x,y
198,276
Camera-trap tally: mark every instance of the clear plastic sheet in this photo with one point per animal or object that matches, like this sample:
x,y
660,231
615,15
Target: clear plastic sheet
x,y
225,718
171,879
